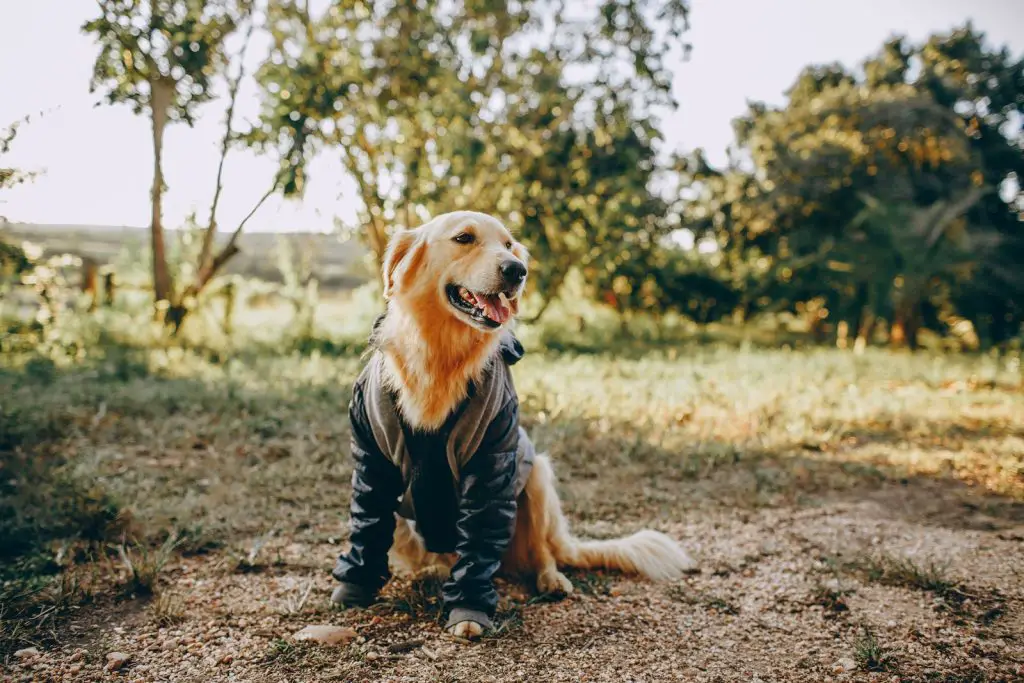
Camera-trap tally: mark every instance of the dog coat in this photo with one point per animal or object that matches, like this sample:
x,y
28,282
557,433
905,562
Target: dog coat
x,y
459,483
439,457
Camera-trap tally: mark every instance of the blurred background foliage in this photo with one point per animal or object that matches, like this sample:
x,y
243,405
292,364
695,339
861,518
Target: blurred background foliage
x,y
880,204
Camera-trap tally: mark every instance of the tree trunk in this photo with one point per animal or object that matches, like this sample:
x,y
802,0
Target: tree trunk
x,y
378,238
109,288
905,327
90,273
161,93
866,327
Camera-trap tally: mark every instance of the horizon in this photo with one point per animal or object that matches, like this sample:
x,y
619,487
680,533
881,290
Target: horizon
x,y
97,159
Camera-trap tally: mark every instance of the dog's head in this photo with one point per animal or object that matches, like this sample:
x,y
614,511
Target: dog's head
x,y
464,264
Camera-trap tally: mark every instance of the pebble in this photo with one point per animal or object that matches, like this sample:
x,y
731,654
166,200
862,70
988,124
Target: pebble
x,y
116,660
325,634
26,652
844,665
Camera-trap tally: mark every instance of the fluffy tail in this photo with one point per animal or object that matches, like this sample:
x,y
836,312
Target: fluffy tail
x,y
648,553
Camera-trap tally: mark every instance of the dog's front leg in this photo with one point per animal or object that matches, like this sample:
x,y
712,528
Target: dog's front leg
x,y
376,485
487,517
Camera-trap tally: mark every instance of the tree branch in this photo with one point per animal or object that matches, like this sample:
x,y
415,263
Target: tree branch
x,y
234,85
231,248
377,235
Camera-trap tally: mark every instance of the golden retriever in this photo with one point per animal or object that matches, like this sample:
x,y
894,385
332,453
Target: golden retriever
x,y
448,300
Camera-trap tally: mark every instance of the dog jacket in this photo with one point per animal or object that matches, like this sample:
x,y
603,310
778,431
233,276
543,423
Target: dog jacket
x,y
459,483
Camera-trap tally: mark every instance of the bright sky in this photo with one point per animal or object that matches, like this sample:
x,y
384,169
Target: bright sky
x,y
97,161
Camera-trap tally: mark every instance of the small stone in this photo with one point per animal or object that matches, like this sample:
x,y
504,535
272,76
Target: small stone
x,y
26,652
371,655
326,634
844,665
226,659
74,668
116,660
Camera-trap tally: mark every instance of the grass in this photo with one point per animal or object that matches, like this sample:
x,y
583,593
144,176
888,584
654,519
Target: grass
x,y
143,566
901,571
420,599
168,609
233,452
870,655
983,606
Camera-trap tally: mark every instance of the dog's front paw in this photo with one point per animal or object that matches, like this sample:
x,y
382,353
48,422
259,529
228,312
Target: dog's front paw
x,y
351,595
467,623
470,630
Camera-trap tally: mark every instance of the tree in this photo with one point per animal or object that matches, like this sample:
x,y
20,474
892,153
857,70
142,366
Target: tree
x,y
160,57
984,87
9,176
881,188
13,260
510,108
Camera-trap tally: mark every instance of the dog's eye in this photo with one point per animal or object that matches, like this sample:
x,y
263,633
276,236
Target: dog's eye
x,y
464,238
508,245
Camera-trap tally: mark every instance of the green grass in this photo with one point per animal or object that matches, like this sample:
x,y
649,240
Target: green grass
x,y
870,655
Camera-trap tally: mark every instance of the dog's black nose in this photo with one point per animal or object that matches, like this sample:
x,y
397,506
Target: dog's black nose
x,y
513,271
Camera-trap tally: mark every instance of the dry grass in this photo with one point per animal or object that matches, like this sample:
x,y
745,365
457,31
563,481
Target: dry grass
x,y
766,463
870,655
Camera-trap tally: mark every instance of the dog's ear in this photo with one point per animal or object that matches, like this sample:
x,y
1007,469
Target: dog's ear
x,y
399,251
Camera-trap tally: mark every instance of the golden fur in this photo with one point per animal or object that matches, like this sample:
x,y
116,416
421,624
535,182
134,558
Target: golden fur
x,y
432,351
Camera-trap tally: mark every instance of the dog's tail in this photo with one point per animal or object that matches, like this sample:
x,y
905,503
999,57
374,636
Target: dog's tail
x,y
649,553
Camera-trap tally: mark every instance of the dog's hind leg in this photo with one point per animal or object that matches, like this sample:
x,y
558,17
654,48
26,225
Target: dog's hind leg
x,y
539,522
410,557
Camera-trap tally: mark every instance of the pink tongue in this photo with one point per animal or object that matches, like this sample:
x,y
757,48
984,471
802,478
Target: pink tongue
x,y
494,308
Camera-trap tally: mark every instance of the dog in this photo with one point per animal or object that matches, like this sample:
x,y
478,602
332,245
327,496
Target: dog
x,y
445,479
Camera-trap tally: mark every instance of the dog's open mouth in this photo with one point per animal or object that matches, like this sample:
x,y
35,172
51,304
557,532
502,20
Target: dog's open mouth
x,y
491,310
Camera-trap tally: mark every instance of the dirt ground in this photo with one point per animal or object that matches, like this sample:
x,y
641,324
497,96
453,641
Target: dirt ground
x,y
853,521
